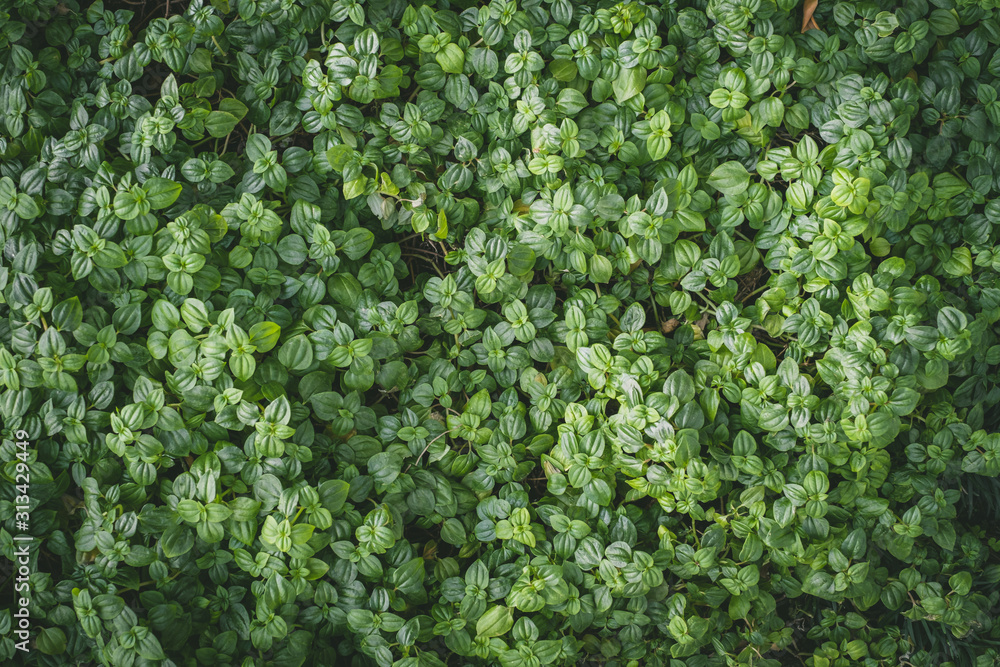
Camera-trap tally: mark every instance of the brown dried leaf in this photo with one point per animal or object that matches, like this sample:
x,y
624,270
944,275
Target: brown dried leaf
x,y
808,9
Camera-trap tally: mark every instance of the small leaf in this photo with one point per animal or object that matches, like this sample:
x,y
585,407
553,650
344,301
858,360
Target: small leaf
x,y
730,178
161,192
497,621
220,123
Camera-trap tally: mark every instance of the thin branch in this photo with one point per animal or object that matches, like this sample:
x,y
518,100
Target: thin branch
x,y
417,460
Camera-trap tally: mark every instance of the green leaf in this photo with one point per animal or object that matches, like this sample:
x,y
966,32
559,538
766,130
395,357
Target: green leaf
x,y
497,621
126,206
629,84
598,492
357,243
600,269
220,123
563,70
68,315
233,106
451,58
161,192
296,353
177,541
658,147
51,641
730,178
264,336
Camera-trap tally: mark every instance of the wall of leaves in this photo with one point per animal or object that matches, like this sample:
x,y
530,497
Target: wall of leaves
x,y
517,332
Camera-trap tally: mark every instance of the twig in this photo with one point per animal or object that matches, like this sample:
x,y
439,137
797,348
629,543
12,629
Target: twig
x,y
756,291
424,257
417,460
429,251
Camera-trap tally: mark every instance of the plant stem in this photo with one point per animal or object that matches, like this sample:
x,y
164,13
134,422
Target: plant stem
x,y
417,460
711,306
153,581
756,291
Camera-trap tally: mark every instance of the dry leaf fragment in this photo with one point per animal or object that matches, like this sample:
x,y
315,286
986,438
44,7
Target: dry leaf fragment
x,y
670,325
808,22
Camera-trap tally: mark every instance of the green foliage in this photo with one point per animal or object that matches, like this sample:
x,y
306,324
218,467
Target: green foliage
x,y
519,333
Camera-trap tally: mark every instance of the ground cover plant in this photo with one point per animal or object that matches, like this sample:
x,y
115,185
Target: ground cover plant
x,y
518,332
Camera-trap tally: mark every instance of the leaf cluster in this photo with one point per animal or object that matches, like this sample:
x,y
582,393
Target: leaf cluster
x,y
519,333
